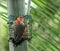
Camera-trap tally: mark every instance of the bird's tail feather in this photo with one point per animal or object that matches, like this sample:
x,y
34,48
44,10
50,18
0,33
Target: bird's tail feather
x,y
16,43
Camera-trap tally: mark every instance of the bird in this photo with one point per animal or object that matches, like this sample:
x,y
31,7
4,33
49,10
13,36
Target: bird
x,y
19,29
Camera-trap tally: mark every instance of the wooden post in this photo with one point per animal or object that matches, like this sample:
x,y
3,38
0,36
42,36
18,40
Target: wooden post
x,y
16,8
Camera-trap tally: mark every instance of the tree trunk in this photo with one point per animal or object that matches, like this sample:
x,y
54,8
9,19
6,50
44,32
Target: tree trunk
x,y
16,8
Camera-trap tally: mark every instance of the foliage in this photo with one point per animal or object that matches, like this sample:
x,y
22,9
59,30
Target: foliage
x,y
46,25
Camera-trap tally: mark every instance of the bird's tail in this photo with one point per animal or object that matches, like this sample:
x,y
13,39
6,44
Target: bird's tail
x,y
16,43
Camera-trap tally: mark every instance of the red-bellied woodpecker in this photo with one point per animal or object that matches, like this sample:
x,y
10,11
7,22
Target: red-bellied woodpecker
x,y
18,28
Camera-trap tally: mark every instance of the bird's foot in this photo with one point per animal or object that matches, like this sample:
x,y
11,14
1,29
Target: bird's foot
x,y
10,39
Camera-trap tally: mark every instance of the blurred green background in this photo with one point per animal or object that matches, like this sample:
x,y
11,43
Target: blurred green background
x,y
46,25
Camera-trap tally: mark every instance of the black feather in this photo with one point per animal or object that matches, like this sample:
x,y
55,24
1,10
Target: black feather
x,y
16,43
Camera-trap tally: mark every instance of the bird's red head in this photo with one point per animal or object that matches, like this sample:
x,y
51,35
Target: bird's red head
x,y
18,20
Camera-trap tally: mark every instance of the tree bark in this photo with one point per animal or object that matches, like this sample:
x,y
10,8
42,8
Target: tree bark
x,y
16,8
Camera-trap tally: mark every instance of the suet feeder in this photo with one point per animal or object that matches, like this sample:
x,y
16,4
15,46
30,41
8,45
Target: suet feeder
x,y
28,31
28,27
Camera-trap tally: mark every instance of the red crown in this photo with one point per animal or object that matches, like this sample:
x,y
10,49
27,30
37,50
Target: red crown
x,y
17,21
